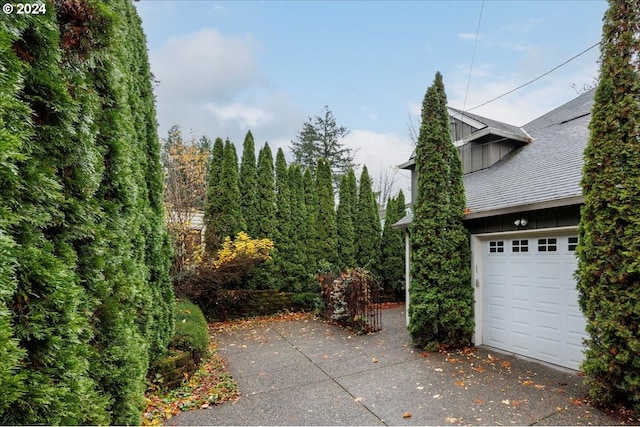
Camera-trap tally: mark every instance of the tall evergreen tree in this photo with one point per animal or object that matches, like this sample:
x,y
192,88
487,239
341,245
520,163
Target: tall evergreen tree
x,y
367,225
609,248
441,296
88,253
311,217
392,250
327,235
301,275
263,277
320,139
345,226
224,214
248,185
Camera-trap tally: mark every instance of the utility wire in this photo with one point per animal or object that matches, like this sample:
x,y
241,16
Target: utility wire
x,y
473,56
537,78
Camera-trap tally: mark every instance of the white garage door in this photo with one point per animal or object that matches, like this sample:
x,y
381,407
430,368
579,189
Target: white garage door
x,y
530,303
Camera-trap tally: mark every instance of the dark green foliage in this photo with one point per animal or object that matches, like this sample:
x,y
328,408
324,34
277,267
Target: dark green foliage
x,y
83,251
248,183
311,219
326,228
609,248
223,217
345,226
391,262
441,296
303,277
215,167
263,276
191,329
320,139
367,225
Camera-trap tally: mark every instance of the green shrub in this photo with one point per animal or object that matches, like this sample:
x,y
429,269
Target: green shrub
x,y
306,301
191,332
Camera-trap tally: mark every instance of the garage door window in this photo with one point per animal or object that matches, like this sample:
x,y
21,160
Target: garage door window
x,y
548,245
573,243
518,246
496,246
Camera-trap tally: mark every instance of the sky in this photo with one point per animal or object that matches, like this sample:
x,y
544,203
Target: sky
x,y
226,67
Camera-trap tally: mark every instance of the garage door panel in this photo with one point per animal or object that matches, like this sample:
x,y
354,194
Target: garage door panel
x,y
530,300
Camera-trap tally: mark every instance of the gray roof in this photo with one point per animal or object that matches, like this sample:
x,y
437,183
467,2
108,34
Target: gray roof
x,y
546,172
549,169
495,124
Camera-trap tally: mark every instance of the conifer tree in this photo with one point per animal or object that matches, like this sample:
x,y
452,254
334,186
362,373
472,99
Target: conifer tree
x,y
367,225
392,251
346,230
301,275
224,214
441,296
311,216
327,236
609,249
248,183
263,277
217,154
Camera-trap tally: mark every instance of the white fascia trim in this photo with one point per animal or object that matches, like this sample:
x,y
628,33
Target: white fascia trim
x,y
465,119
493,131
567,201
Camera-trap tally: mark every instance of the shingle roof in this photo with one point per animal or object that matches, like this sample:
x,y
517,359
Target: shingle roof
x,y
547,169
495,124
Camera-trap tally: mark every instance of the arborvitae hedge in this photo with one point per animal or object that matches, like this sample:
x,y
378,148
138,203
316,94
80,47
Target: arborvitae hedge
x,y
224,214
441,306
83,248
609,245
248,183
263,276
367,225
301,277
326,237
311,219
391,262
346,229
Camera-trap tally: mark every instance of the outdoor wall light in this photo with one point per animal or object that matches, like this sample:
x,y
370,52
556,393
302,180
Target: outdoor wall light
x,y
521,221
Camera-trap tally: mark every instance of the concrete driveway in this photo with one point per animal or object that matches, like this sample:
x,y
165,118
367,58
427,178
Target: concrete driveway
x,y
305,372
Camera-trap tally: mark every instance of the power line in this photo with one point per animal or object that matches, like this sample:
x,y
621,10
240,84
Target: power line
x,y
473,56
537,78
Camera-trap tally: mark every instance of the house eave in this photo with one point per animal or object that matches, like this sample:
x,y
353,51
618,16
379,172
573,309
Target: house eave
x,y
567,201
492,131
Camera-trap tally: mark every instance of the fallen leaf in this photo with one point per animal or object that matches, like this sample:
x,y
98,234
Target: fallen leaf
x,y
506,364
539,386
479,369
528,382
406,415
575,402
451,420
420,387
436,396
478,401
460,383
515,403
374,360
506,402
358,399
438,369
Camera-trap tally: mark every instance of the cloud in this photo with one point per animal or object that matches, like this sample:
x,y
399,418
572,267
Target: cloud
x,y
469,36
204,65
380,152
246,116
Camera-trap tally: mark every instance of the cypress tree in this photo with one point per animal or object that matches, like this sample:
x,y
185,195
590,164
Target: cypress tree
x,y
311,216
284,227
608,250
248,183
441,296
263,276
367,225
224,214
392,251
301,275
217,154
327,235
346,231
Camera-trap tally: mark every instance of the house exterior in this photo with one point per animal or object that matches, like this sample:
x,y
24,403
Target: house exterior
x,y
523,196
